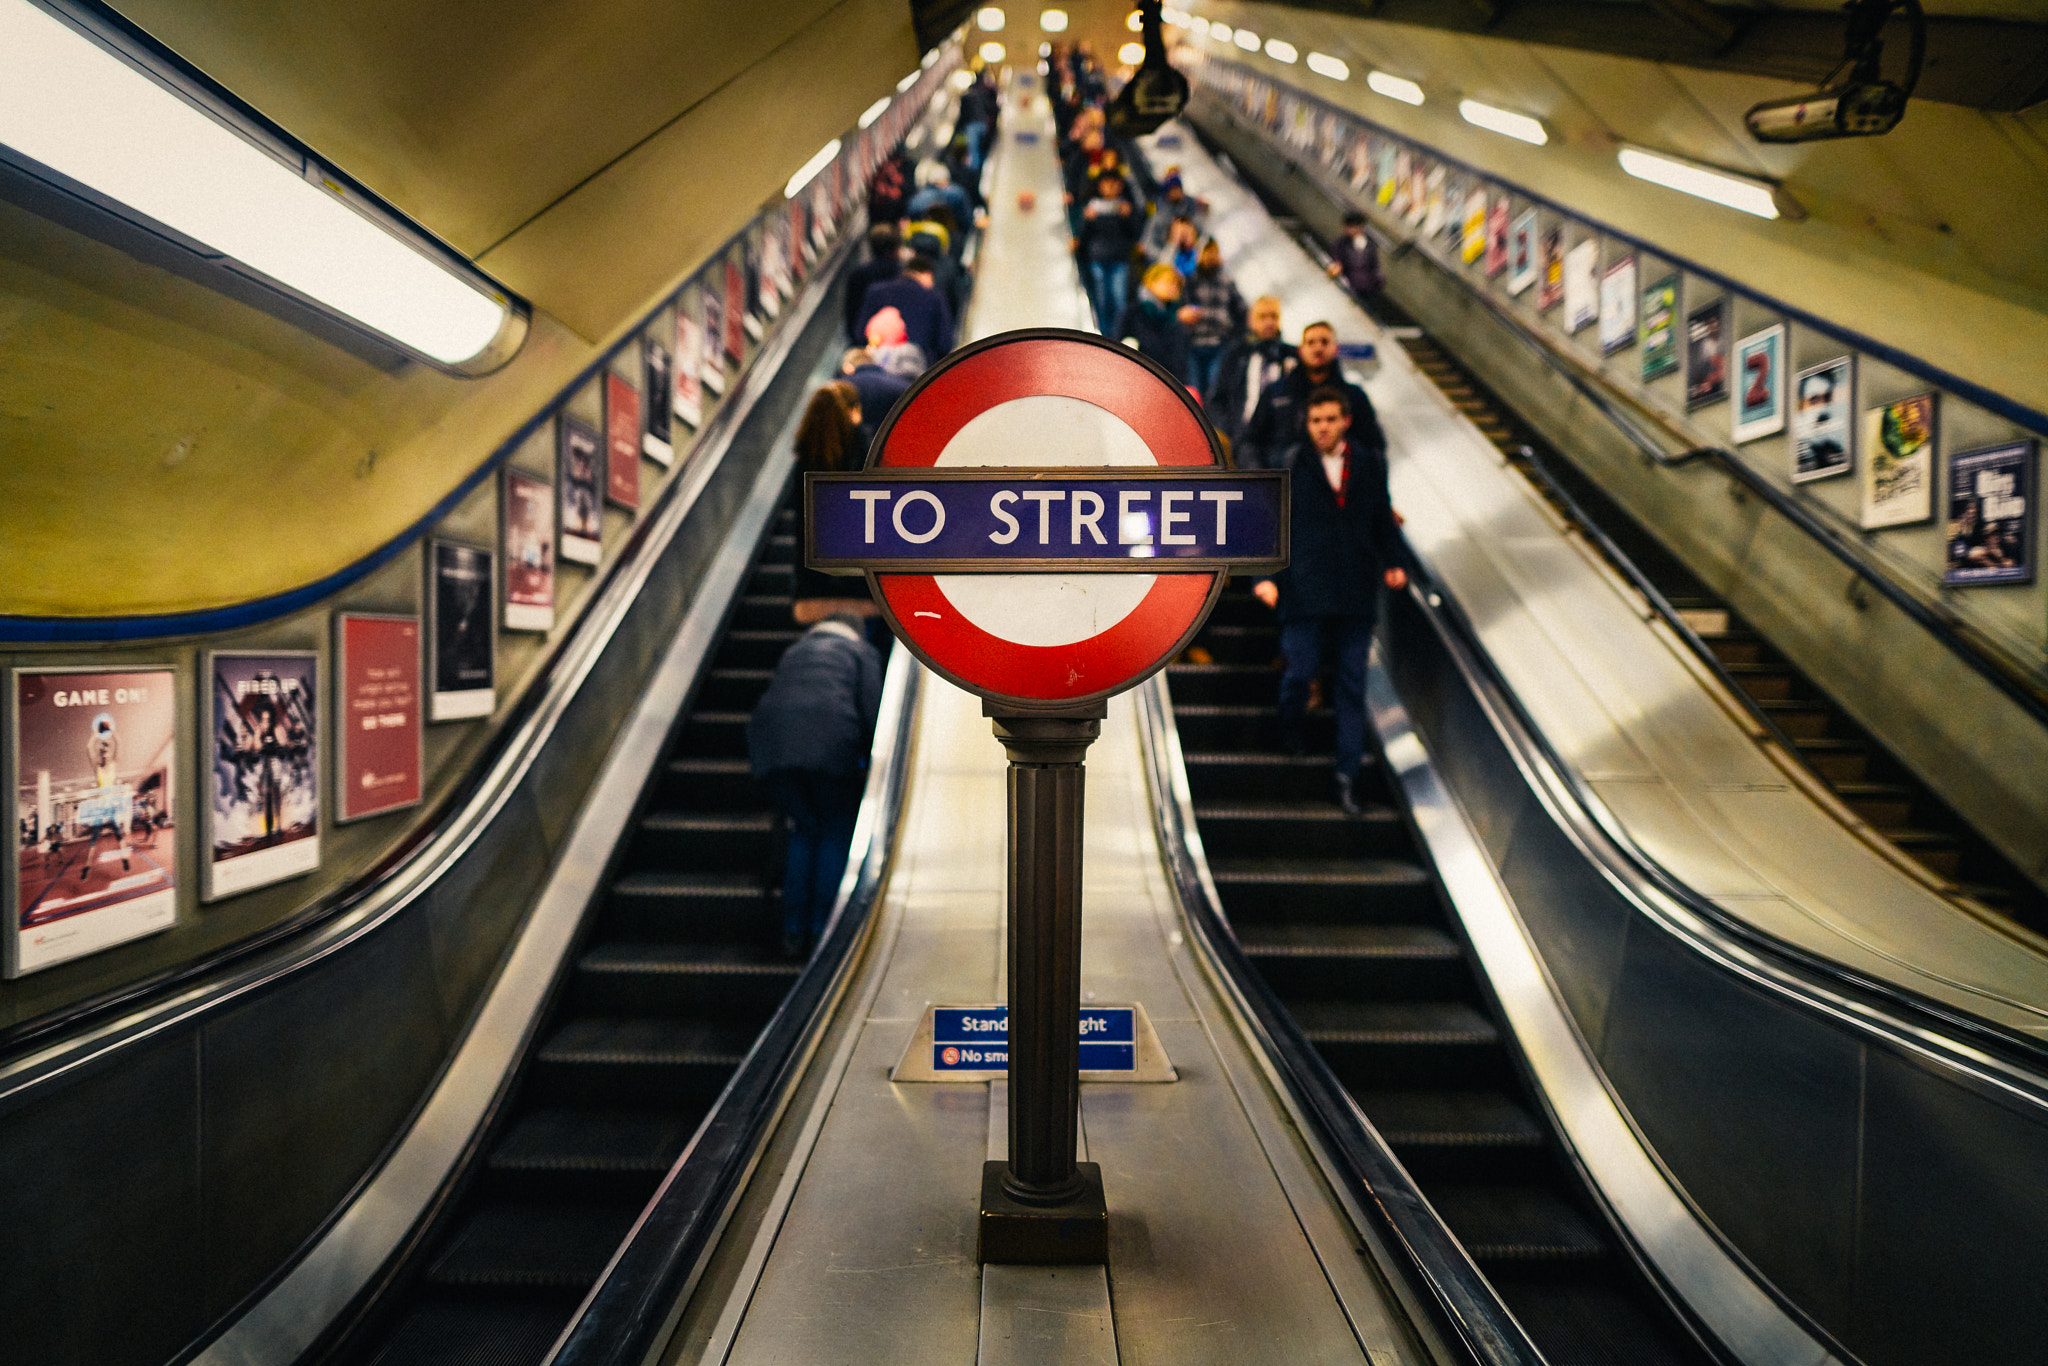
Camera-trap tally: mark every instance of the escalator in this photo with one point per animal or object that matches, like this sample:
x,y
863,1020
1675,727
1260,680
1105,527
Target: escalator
x,y
1344,921
677,970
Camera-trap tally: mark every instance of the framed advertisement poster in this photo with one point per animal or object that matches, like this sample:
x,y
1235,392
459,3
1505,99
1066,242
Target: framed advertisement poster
x,y
1618,306
1522,252
1991,516
1550,271
1706,354
657,382
1760,384
1437,206
1473,244
1497,237
1418,190
688,362
262,804
735,311
579,488
528,535
1823,436
1386,169
622,443
751,308
711,295
379,749
1581,287
462,636
1657,328
90,801
1898,462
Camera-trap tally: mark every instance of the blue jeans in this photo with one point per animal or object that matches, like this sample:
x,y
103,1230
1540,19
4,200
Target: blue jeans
x,y
1341,643
1202,360
1109,283
977,140
820,809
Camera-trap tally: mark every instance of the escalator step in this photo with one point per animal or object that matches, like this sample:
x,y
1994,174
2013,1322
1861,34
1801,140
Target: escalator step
x,y
556,1245
1394,1022
1364,874
625,1141
1410,943
1590,1324
739,841
732,980
1313,829
1256,774
1451,1119
1256,890
477,1333
1517,1224
653,1043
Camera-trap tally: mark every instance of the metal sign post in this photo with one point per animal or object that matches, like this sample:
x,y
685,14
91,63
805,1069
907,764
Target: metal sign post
x,y
1082,487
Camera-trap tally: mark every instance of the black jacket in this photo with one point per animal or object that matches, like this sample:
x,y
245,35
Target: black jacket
x,y
1281,420
820,708
1358,262
1109,236
878,391
857,281
1158,330
1225,401
1337,557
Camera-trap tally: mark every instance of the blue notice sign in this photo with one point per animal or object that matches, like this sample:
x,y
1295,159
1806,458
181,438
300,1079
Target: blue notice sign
x,y
967,1039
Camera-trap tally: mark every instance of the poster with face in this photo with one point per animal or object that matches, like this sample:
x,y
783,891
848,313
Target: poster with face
x,y
1522,252
1991,516
90,792
657,372
262,804
1823,438
1618,306
1472,243
1550,271
1706,354
461,631
1657,328
1581,285
379,741
622,442
1497,237
579,489
1898,464
529,541
1760,384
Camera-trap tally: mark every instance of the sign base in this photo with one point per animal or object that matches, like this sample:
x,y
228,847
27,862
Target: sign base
x,y
1072,1233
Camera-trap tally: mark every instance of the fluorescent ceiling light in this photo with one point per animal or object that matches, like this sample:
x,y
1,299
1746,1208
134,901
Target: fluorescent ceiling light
x,y
1393,87
1503,121
928,58
1198,25
991,52
1246,39
1323,64
991,19
1130,54
820,159
908,81
1134,21
74,106
1722,187
1053,20
959,80
875,110
1281,51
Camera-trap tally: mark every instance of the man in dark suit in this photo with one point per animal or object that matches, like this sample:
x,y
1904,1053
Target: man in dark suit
x,y
1343,543
912,294
1281,418
1247,367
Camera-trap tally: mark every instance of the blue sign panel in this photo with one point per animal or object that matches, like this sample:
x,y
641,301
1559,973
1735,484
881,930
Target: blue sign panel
x,y
961,521
978,1040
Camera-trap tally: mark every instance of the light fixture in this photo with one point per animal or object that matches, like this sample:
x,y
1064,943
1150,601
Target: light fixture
x,y
1198,26
1130,54
1053,20
875,110
1393,87
1281,51
928,58
990,19
108,126
1503,121
960,80
991,53
1746,193
1323,64
1246,39
1134,21
908,81
820,159
1045,49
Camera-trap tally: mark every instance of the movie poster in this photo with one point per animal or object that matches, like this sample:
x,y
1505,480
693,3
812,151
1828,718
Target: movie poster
x,y
1898,464
768,269
579,489
1404,183
1706,354
657,382
1991,516
262,806
1358,162
1473,244
461,631
622,442
751,311
1550,291
1438,206
379,743
688,361
529,541
735,311
712,296
1497,237
1581,285
1618,306
793,238
1657,328
1760,384
1823,436
1522,265
1418,190
95,839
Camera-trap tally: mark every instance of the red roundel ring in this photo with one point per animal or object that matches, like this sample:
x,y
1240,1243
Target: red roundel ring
x,y
1138,391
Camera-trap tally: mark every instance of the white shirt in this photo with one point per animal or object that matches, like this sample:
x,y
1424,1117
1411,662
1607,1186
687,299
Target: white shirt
x,y
1333,470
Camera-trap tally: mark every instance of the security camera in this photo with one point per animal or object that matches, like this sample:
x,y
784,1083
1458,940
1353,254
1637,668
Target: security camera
x,y
1857,101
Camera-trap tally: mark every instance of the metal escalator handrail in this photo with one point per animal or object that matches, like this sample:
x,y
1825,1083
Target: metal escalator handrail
x,y
649,1278
1437,1269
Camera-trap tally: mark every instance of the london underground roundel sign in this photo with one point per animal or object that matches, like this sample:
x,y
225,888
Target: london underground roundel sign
x,y
1045,518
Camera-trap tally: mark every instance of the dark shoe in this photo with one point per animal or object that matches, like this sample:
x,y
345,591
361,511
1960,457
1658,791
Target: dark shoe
x,y
1345,800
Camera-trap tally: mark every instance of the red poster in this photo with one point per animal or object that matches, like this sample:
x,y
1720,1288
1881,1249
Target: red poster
x,y
622,442
735,308
793,238
378,714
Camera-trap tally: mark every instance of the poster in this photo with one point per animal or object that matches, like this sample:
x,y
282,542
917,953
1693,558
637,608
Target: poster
x,y
1385,171
1618,305
1437,207
1473,244
657,436
462,636
529,540
1497,237
735,311
1522,252
768,272
91,787
1418,190
1657,328
378,738
1898,462
580,492
1550,271
1581,293
1706,354
711,294
687,362
1823,441
262,801
622,442
751,311
1359,159
1404,183
1760,384
1991,516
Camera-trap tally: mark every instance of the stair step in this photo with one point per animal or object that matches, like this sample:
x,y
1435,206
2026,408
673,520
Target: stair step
x,y
470,1332
1394,1022
554,1245
565,1140
1407,943
1517,1224
732,981
1451,1119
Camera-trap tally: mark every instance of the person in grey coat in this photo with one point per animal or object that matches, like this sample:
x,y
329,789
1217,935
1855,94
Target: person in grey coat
x,y
807,743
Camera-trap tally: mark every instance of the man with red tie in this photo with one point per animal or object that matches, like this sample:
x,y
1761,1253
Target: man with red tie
x,y
1343,544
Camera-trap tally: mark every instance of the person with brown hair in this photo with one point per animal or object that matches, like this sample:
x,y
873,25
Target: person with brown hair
x,y
828,440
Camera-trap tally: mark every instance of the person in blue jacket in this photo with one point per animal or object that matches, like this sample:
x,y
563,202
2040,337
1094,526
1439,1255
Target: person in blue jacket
x,y
913,294
1344,542
807,742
